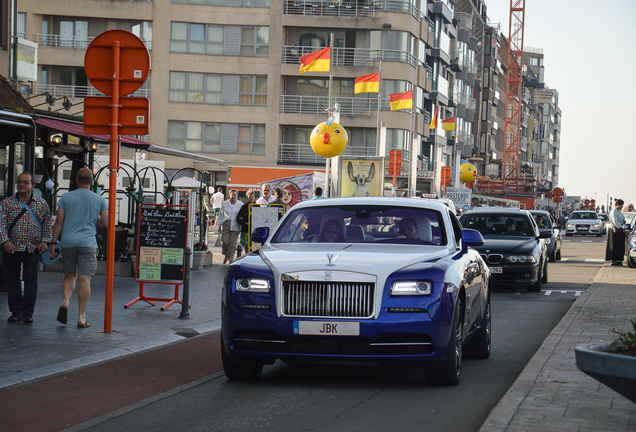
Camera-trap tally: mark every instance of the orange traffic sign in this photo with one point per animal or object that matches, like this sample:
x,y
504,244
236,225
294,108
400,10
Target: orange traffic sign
x,y
557,192
134,62
133,115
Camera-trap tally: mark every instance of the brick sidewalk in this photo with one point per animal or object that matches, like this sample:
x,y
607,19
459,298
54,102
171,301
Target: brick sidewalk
x,y
552,393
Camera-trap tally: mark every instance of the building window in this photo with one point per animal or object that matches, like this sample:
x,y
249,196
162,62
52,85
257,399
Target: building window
x,y
251,139
255,41
244,3
192,87
207,137
536,61
196,38
253,90
22,25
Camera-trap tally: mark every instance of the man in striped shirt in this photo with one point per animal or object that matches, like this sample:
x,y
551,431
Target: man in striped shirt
x,y
24,237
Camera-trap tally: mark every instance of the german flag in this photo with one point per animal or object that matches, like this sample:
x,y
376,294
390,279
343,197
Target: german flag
x,y
402,100
316,62
368,84
449,124
433,124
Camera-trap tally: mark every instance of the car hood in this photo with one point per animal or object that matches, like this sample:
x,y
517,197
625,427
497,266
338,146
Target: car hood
x,y
512,245
379,260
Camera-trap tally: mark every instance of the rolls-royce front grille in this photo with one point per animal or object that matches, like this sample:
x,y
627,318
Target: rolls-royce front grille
x,y
328,299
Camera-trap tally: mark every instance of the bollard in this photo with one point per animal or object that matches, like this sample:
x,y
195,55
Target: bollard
x,y
239,251
185,301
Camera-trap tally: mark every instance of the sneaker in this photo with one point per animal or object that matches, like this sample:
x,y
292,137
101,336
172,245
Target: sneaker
x,y
27,319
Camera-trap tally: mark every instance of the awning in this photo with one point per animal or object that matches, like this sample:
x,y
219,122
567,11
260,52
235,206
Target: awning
x,y
77,129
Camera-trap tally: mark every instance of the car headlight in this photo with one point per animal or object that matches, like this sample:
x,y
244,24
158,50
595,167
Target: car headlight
x,y
521,259
252,285
570,225
411,288
595,225
548,241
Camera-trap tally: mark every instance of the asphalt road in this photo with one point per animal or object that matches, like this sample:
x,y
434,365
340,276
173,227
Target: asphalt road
x,y
383,398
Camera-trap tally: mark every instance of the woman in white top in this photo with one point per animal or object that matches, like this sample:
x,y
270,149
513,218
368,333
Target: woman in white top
x,y
615,250
230,228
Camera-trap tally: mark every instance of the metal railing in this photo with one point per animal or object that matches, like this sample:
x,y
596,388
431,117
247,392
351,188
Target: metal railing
x,y
60,41
359,9
57,91
351,57
349,106
303,153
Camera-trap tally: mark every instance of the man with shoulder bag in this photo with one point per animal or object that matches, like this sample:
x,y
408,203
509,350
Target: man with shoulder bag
x,y
25,232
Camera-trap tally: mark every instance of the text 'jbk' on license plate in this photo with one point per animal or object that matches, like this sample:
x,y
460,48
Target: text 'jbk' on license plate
x,y
331,328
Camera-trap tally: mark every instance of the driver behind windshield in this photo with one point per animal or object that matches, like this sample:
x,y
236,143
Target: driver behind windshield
x,y
408,228
511,228
541,222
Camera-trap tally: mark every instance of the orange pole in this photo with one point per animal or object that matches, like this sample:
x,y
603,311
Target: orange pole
x,y
112,188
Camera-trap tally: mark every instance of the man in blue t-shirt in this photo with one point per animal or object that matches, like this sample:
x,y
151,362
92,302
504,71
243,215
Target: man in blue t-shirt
x,y
78,213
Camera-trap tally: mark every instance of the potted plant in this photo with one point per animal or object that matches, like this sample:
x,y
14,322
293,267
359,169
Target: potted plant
x,y
199,255
613,365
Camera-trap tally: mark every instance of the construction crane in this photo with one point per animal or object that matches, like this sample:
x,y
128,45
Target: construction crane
x,y
514,88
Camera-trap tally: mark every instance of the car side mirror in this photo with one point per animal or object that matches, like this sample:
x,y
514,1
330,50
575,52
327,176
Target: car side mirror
x,y
471,237
260,234
545,234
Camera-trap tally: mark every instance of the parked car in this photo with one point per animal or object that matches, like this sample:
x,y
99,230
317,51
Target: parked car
x,y
513,247
553,244
630,244
605,221
584,222
400,283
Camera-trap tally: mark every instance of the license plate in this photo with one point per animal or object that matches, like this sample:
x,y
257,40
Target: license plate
x,y
496,269
583,228
327,328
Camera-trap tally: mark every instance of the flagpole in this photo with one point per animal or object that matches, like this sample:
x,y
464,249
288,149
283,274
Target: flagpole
x,y
411,139
327,191
379,107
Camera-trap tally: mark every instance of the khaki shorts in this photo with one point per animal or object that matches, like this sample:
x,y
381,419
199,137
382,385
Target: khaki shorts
x,y
82,260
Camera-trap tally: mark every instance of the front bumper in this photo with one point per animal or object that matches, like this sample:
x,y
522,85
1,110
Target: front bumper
x,y
584,230
406,337
516,274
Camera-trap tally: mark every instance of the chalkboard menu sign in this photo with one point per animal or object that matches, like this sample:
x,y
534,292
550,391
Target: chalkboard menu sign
x,y
161,242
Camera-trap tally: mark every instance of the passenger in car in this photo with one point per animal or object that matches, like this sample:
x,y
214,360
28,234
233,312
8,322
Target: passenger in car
x,y
332,231
408,228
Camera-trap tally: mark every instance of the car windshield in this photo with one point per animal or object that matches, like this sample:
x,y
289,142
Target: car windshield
x,y
543,221
498,224
584,215
629,217
362,224
603,217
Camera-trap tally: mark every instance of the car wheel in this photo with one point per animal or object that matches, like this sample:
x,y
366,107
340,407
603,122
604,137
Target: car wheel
x,y
558,254
631,263
553,257
480,347
568,235
536,287
598,235
447,372
240,371
544,278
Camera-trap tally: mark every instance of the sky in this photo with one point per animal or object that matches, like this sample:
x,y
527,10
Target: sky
x,y
589,50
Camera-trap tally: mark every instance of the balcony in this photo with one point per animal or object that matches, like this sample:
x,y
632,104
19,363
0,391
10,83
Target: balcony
x,y
349,106
58,91
81,42
304,154
351,57
464,20
349,9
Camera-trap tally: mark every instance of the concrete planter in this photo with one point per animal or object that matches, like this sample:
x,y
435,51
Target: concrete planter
x,y
616,371
199,259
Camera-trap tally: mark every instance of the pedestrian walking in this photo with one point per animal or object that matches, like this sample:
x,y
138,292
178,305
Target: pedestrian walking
x,y
615,250
266,194
230,228
25,228
78,213
217,201
243,219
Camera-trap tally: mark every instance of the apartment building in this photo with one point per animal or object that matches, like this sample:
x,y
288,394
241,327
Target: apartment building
x,y
225,78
